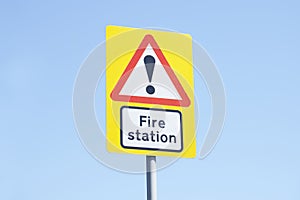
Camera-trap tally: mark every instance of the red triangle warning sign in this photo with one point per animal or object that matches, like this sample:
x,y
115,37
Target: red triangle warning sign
x,y
148,78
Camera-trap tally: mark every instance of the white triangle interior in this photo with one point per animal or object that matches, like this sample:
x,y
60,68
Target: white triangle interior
x,y
138,80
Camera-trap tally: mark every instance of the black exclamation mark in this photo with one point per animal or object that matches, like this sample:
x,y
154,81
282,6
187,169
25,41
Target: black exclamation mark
x,y
149,63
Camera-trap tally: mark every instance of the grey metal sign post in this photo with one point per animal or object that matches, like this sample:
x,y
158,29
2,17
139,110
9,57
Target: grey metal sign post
x,y
151,178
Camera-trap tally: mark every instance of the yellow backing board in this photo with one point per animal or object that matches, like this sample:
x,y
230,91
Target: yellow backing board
x,y
149,92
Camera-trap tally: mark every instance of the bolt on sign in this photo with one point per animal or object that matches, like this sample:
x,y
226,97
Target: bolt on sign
x,y
149,92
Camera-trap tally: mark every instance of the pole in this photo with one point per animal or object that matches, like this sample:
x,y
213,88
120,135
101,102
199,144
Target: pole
x,y
151,177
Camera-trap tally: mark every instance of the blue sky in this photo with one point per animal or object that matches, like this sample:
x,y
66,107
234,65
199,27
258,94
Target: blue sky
x,y
255,46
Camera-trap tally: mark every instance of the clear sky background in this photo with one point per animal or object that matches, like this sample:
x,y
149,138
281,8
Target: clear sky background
x,y
255,45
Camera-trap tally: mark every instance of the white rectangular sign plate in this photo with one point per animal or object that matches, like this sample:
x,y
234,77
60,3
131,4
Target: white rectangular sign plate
x,y
151,129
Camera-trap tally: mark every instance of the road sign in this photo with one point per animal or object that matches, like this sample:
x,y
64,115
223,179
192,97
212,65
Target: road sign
x,y
150,92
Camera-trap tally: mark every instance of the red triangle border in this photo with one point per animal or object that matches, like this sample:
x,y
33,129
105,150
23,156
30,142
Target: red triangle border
x,y
115,94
